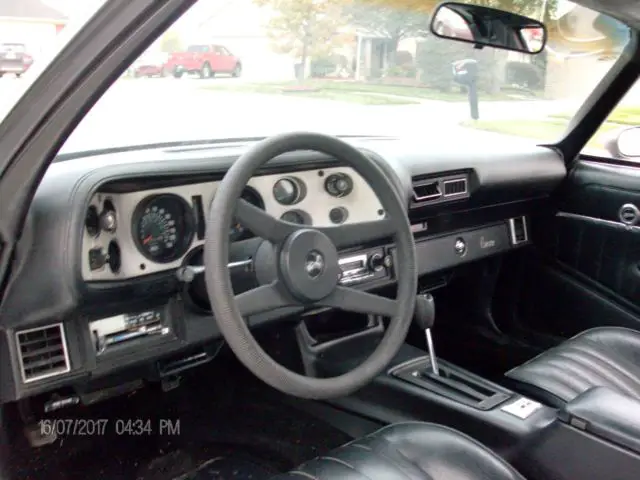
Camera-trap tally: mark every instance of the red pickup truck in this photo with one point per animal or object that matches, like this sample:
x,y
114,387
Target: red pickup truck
x,y
205,60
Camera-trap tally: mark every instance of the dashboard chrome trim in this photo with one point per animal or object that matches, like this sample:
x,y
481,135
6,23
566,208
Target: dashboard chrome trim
x,y
362,203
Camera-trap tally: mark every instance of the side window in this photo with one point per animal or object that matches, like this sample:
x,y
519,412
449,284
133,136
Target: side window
x,y
619,136
221,51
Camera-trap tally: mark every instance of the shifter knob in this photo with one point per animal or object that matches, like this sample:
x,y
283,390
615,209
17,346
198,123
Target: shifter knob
x,y
425,311
424,315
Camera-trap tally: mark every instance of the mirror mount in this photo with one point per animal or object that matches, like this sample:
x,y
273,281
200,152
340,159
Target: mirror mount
x,y
484,26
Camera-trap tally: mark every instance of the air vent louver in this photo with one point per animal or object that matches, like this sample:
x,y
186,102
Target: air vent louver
x,y
518,229
455,187
428,190
43,352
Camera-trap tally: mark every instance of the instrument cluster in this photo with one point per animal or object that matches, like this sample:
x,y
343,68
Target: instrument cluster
x,y
155,229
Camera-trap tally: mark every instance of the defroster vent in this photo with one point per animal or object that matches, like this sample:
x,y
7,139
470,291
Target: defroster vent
x,y
42,352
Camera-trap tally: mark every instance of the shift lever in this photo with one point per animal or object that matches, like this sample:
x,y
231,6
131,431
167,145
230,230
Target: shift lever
x,y
425,315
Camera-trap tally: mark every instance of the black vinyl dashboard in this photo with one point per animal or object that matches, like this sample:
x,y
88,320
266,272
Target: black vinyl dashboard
x,y
96,285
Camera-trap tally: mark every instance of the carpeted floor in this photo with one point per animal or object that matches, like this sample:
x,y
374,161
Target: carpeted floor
x,y
227,425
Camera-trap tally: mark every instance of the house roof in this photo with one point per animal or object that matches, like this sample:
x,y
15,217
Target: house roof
x,y
34,9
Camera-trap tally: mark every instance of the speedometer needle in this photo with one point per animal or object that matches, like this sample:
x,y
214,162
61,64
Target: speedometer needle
x,y
147,240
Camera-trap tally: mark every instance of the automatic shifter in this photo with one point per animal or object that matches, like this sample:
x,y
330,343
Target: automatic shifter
x,y
424,316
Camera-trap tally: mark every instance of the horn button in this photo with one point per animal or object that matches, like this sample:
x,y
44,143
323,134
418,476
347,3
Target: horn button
x,y
309,265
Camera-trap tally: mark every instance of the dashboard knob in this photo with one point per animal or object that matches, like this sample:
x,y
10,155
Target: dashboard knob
x,y
338,185
338,215
376,262
108,221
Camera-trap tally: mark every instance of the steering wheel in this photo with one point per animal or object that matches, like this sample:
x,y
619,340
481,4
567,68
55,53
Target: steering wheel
x,y
297,265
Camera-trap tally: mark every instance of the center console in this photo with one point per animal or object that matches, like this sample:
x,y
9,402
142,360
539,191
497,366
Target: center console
x,y
596,435
418,386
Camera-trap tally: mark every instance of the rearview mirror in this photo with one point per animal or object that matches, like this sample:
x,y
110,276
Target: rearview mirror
x,y
484,26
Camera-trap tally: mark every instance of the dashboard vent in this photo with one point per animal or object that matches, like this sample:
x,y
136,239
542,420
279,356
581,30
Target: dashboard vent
x,y
455,187
430,190
42,352
518,230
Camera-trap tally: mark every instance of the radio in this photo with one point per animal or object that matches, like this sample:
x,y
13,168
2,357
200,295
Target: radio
x,y
126,328
372,265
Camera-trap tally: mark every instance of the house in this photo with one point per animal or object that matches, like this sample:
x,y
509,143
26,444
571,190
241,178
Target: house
x,y
241,27
30,22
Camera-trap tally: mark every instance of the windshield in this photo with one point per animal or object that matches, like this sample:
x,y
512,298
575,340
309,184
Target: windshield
x,y
233,69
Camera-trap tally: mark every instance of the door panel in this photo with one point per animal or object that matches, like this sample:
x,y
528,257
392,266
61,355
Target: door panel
x,y
587,270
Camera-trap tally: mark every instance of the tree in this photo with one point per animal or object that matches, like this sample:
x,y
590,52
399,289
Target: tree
x,y
171,42
304,28
387,20
398,19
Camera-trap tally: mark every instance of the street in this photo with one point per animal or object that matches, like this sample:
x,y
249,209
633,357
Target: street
x,y
138,111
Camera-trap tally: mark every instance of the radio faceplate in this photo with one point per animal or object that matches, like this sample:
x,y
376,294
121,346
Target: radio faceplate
x,y
362,267
118,330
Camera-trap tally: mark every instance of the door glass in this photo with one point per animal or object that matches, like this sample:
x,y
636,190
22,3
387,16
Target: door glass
x,y
619,136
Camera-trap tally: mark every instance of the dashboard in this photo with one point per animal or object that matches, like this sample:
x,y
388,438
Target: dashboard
x,y
128,235
95,288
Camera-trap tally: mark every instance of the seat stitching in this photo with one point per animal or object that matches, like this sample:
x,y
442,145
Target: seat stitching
x,y
364,447
303,474
599,371
551,379
346,464
562,367
398,466
403,455
609,362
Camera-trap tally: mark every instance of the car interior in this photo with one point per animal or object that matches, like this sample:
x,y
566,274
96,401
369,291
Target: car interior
x,y
312,307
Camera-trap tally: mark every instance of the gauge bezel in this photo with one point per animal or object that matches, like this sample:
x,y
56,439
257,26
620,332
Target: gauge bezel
x,y
299,185
335,177
304,215
182,243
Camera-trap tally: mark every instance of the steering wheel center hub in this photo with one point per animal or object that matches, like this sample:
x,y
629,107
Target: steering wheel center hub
x,y
309,265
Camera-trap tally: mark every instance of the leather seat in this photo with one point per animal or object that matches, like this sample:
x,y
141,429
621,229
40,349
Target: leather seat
x,y
408,451
600,357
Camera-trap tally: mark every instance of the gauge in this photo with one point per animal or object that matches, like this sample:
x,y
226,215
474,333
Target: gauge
x,y
288,191
163,227
296,216
338,185
338,215
237,231
92,221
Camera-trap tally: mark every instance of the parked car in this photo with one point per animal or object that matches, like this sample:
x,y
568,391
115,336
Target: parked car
x,y
14,59
150,65
204,60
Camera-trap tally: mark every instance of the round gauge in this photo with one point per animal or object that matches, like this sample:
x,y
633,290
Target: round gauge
x,y
237,231
296,216
163,227
338,185
288,191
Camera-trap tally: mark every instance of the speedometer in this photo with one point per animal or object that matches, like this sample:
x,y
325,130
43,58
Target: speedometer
x,y
163,227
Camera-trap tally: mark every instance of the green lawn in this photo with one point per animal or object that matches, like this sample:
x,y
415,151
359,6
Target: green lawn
x,y
313,91
621,116
354,92
546,130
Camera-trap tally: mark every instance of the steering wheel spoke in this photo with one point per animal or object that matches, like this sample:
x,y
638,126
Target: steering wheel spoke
x,y
354,300
262,224
360,233
303,265
262,299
